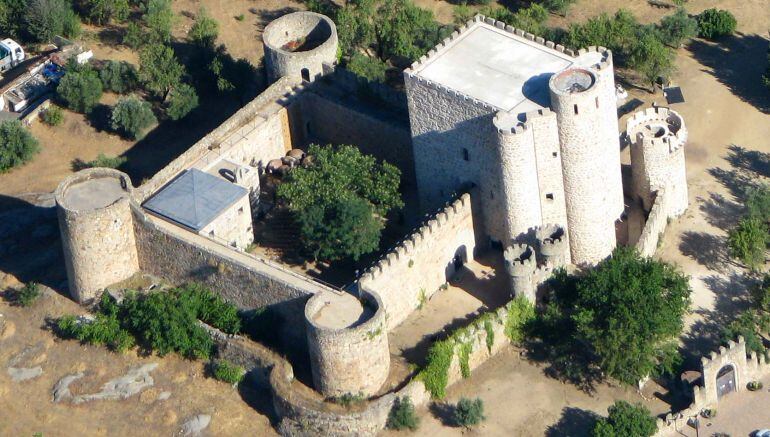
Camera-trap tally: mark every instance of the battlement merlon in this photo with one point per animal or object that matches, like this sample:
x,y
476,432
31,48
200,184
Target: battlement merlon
x,y
429,226
520,260
673,135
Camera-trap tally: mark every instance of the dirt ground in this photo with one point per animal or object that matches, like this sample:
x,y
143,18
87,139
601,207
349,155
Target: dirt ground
x,y
28,407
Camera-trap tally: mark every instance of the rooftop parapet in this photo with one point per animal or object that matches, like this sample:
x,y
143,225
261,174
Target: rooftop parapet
x,y
657,126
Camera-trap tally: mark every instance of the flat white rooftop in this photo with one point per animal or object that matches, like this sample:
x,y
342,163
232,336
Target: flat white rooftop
x,y
497,67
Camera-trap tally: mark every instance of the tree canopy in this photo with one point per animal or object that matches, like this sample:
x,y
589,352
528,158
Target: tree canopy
x,y
159,69
132,116
626,420
80,89
204,30
17,145
340,200
714,23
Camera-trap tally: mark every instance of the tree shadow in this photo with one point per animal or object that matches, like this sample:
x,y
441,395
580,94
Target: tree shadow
x,y
719,211
444,412
573,422
258,398
706,249
738,63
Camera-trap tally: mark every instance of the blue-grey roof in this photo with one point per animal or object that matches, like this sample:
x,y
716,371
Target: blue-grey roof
x,y
194,199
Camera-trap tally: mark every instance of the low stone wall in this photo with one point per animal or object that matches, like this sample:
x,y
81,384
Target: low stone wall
x,y
419,266
654,226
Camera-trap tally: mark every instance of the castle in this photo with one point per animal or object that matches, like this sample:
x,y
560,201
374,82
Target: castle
x,y
510,141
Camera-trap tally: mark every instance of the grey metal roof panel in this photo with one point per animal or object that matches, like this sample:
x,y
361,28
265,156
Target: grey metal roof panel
x,y
194,199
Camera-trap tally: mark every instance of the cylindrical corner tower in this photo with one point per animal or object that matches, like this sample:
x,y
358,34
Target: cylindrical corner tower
x,y
348,343
298,44
516,167
97,230
521,263
576,100
657,137
599,60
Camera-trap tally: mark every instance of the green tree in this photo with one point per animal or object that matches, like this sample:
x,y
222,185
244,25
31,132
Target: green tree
x,y
48,18
134,36
372,69
558,6
747,324
119,77
159,69
102,11
132,116
469,412
758,202
651,58
626,420
748,241
52,116
80,89
677,27
183,99
17,145
402,415
760,294
714,23
204,31
618,33
159,18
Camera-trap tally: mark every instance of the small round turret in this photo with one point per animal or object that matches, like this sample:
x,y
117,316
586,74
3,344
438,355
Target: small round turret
x,y
520,263
552,242
298,44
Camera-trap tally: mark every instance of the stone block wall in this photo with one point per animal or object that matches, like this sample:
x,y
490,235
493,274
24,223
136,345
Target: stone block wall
x,y
654,226
348,360
419,266
549,173
233,227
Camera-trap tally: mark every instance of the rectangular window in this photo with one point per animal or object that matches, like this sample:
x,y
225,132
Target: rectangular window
x,y
240,210
555,154
466,156
549,196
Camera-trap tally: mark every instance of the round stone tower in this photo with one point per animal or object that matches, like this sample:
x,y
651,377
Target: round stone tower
x,y
657,137
552,242
599,60
517,166
348,343
576,100
520,263
298,44
97,230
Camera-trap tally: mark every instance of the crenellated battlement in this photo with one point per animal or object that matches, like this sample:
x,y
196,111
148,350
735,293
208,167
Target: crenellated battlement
x,y
603,61
405,249
531,116
656,127
520,260
507,124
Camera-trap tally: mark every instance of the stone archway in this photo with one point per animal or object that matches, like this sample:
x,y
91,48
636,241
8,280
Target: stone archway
x,y
726,380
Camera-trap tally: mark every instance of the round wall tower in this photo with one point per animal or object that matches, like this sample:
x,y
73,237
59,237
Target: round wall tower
x,y
298,44
575,98
657,137
553,245
348,343
517,166
520,263
97,230
599,60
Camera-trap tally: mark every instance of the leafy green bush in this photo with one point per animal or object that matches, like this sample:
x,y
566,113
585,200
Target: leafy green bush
x,y
625,420
228,372
132,116
557,6
348,399
210,308
119,77
17,145
48,18
159,18
747,324
435,373
80,89
27,295
758,202
104,329
402,415
183,99
677,27
748,241
134,36
159,69
372,69
101,160
521,313
714,23
53,116
204,30
760,294
468,412
102,11
650,57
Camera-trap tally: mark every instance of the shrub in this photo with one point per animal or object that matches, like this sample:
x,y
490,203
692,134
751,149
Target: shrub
x,y
102,11
134,36
101,160
754,385
228,372
462,13
119,77
650,57
132,117
745,325
521,313
748,241
80,89
17,145
372,69
240,17
402,415
625,420
435,373
758,202
210,308
348,399
676,28
159,69
182,100
760,294
469,412
204,30
48,18
53,116
159,18
714,23
28,294
558,6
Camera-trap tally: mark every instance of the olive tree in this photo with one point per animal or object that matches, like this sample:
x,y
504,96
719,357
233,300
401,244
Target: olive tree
x,y
17,145
159,69
80,89
132,116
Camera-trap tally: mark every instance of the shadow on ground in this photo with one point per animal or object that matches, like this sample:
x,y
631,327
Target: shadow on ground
x,y
738,63
573,422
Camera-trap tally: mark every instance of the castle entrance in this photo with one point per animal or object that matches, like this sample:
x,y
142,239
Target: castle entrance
x,y
725,380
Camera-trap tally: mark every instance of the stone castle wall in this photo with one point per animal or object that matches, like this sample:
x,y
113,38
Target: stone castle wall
x,y
351,360
549,173
233,227
99,244
423,262
654,226
579,114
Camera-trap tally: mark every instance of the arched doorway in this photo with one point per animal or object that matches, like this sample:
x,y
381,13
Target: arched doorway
x,y
725,380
